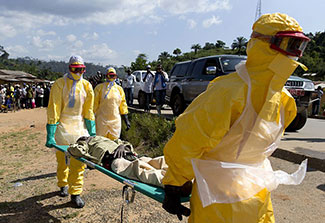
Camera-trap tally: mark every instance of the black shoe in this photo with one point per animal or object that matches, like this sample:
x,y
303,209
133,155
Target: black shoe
x,y
63,192
77,201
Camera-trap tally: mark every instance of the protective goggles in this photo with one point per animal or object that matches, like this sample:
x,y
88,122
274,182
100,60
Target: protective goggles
x,y
77,69
111,75
291,43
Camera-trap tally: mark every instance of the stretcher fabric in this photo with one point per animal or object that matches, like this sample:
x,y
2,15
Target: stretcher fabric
x,y
145,169
154,192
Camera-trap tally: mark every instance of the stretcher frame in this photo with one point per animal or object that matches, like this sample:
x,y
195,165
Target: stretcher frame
x,y
154,192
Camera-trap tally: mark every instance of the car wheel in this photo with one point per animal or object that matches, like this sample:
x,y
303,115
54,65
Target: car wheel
x,y
141,99
299,122
178,104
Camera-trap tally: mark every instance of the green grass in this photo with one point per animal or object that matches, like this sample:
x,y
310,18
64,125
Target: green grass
x,y
148,134
19,141
9,136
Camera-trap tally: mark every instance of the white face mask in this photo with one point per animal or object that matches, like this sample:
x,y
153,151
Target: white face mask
x,y
76,76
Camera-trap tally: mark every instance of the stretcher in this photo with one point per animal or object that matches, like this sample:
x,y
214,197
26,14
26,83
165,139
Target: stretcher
x,y
154,192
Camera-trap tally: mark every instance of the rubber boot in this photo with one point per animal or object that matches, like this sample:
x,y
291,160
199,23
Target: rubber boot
x,y
63,192
77,201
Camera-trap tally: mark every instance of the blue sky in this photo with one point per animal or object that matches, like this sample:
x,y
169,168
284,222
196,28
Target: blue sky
x,y
116,31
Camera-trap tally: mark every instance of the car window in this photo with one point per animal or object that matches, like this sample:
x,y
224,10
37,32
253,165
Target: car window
x,y
183,69
229,64
137,76
210,63
190,69
198,67
176,69
172,73
143,74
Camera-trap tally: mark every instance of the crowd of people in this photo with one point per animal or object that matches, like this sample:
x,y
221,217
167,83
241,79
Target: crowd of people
x,y
14,97
154,87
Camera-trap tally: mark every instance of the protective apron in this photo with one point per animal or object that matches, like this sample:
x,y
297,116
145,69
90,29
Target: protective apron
x,y
244,169
108,118
71,124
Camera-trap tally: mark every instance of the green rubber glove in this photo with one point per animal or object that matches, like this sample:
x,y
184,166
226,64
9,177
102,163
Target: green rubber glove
x,y
91,127
50,138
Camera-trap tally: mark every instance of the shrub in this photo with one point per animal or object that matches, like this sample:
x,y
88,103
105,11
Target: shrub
x,y
148,133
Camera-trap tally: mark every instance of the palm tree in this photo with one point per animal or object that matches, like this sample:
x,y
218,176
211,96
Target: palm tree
x,y
209,46
239,44
220,44
196,47
177,52
140,62
164,56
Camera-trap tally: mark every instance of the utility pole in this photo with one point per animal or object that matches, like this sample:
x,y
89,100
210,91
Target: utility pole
x,y
258,9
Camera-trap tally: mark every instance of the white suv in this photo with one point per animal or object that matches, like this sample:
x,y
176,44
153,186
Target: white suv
x,y
138,92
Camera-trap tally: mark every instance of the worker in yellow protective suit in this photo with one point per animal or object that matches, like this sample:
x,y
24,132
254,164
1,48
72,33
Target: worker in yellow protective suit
x,y
109,106
70,116
224,137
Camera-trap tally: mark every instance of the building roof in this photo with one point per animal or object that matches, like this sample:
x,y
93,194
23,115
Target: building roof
x,y
18,76
17,73
8,78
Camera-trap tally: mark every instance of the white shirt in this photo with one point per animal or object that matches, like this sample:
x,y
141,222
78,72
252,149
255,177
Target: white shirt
x,y
148,83
130,79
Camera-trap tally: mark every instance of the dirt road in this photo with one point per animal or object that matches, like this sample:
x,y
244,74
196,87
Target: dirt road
x,y
28,191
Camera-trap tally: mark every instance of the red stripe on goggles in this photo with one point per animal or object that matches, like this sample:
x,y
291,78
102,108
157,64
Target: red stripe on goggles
x,y
291,43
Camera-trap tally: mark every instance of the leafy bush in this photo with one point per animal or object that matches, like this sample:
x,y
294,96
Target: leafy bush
x,y
148,133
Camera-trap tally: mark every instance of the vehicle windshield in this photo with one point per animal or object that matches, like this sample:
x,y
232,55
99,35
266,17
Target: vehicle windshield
x,y
229,64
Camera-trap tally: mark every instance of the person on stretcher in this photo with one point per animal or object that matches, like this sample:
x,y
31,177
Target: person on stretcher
x,y
119,157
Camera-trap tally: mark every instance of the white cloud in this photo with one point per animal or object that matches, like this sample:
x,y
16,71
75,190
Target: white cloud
x,y
41,32
43,45
125,11
154,33
90,36
7,31
24,20
73,42
212,21
193,6
71,38
34,13
16,50
78,44
191,23
97,53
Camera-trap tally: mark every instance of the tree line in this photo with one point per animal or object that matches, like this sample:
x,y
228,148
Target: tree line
x,y
313,58
49,70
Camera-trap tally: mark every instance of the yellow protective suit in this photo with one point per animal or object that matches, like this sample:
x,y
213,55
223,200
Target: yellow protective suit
x,y
201,131
71,126
109,105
